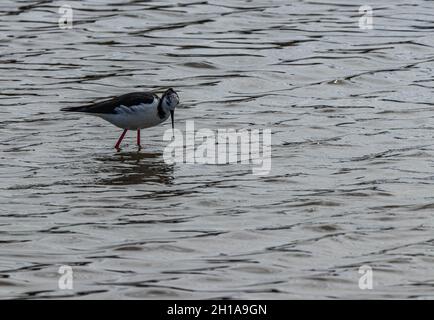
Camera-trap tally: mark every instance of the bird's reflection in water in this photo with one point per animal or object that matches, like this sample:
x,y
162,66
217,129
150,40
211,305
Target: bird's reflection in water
x,y
129,168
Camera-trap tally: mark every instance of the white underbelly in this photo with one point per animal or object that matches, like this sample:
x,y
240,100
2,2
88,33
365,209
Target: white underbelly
x,y
133,118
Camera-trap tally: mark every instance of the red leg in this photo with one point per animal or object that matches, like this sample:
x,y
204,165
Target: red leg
x,y
138,139
120,139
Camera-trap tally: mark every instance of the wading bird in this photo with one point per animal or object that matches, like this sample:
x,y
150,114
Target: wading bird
x,y
133,111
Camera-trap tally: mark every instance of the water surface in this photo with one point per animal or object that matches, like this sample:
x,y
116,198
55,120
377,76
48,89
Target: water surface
x,y
352,172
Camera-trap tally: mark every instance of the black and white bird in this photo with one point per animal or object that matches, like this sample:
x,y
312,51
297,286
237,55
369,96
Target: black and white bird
x,y
133,111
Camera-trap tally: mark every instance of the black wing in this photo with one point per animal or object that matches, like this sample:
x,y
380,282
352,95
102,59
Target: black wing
x,y
109,106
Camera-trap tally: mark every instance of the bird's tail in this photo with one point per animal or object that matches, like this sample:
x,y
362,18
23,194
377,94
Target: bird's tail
x,y
74,109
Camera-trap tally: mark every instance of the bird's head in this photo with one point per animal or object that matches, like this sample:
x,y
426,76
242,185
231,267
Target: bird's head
x,y
170,100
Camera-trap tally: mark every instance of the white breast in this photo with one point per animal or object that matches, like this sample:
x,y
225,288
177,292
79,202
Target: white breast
x,y
135,117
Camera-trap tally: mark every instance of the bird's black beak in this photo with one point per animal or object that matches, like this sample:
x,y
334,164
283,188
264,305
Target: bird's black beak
x,y
172,115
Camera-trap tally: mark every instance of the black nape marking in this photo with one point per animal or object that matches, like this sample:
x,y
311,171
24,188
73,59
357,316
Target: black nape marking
x,y
160,109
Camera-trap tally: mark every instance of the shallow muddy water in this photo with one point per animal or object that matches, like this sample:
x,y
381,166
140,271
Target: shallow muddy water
x,y
352,173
